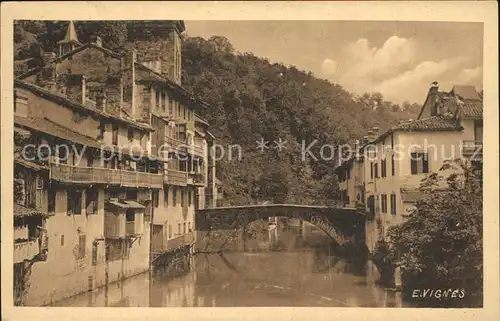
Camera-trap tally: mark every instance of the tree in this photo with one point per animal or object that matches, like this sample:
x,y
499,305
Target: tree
x,y
440,245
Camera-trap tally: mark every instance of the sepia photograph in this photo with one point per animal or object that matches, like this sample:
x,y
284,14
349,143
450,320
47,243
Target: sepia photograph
x,y
321,163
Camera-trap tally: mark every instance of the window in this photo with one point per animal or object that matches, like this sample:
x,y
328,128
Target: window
x,y
348,172
164,100
393,204
94,253
158,100
90,159
63,154
190,198
165,197
156,198
178,110
178,228
182,198
174,196
131,195
62,240
74,201
52,200
81,246
170,106
184,230
189,227
419,163
185,116
375,169
130,215
92,198
383,166
384,203
393,166
130,134
115,135
371,170
39,182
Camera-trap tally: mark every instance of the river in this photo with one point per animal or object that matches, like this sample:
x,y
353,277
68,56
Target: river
x,y
288,267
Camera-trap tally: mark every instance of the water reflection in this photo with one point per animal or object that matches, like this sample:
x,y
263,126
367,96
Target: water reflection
x,y
295,271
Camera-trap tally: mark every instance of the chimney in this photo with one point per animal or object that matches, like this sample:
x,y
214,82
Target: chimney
x,y
101,100
84,89
376,131
128,75
432,97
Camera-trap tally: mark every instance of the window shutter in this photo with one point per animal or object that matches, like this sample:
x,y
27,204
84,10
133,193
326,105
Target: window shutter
x,y
393,169
425,163
413,163
393,204
81,246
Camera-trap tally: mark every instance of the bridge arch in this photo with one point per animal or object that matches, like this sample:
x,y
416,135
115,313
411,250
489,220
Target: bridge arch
x,y
341,224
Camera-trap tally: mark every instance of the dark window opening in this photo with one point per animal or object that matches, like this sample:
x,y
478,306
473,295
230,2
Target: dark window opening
x,y
419,163
130,215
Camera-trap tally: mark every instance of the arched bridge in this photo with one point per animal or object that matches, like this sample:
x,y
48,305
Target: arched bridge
x,y
341,224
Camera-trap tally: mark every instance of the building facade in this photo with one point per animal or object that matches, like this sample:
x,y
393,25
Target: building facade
x,y
384,178
111,142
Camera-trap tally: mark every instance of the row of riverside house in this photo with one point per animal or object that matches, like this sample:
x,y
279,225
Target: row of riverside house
x,y
100,192
449,126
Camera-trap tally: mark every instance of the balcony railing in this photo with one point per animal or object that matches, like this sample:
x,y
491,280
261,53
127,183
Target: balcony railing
x,y
180,240
176,144
197,150
198,179
472,147
175,177
26,250
99,175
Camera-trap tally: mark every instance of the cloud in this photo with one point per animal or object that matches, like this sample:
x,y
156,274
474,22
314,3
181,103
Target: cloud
x,y
328,67
395,70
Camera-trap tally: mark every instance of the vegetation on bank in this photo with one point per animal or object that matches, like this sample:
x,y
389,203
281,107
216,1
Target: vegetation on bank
x,y
440,245
250,98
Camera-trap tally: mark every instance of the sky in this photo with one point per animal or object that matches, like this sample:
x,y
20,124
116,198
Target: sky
x,y
398,59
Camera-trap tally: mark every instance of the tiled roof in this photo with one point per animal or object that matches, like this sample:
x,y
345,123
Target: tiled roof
x,y
30,165
58,98
46,126
472,109
433,123
124,204
465,92
23,211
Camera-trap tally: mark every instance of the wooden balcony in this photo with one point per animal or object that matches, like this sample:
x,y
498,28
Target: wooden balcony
x,y
98,175
133,228
26,251
197,179
472,148
176,145
197,150
175,177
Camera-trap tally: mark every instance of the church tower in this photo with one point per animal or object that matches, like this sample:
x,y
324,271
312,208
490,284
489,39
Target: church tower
x,y
158,45
70,41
